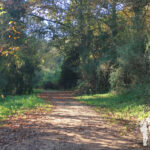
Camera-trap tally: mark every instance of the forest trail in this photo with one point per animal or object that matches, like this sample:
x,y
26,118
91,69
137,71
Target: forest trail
x,y
71,125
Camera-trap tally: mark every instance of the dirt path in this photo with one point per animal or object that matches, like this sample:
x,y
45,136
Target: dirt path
x,y
70,126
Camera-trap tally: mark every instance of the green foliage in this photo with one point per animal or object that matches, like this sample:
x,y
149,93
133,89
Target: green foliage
x,y
117,79
141,90
13,105
19,52
50,68
103,73
17,72
47,79
133,65
103,44
111,46
69,69
119,106
84,87
68,78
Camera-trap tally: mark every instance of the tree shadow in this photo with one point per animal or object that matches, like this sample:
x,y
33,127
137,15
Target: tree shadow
x,y
32,133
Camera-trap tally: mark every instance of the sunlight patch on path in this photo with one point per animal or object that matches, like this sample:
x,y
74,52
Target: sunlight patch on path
x,y
72,126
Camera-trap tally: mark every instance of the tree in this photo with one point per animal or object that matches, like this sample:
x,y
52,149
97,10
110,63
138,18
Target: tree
x,y
103,43
18,51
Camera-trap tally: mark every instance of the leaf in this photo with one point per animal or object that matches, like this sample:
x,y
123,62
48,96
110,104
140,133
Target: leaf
x,y
10,22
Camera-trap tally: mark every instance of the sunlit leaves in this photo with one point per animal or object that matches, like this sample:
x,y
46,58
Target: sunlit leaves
x,y
9,51
14,33
2,12
2,9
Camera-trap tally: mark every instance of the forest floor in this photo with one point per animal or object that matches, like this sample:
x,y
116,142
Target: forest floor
x,y
70,125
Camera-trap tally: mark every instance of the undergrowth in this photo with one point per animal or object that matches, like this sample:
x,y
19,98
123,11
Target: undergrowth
x,y
13,105
119,106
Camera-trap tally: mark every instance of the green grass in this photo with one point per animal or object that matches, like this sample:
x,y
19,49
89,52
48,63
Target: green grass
x,y
37,91
12,105
125,107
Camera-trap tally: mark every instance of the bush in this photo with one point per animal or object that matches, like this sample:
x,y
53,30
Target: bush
x,y
68,78
17,72
141,90
46,80
84,87
103,73
117,79
50,85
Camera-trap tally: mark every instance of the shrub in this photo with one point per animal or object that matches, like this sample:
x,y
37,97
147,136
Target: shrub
x,y
84,87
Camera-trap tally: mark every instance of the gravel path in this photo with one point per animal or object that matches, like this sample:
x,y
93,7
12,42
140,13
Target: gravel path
x,y
70,126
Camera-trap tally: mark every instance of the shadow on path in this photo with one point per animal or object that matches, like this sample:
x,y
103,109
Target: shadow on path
x,y
70,126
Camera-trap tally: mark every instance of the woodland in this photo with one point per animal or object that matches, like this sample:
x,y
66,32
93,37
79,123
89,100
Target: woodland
x,y
97,48
94,46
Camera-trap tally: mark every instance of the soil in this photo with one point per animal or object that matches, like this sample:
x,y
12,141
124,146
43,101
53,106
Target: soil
x,y
70,125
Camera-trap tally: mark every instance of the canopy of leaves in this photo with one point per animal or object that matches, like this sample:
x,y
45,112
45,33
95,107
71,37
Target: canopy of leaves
x,y
104,44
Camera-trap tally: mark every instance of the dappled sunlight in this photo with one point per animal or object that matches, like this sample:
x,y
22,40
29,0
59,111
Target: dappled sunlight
x,y
70,126
107,95
121,106
48,48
